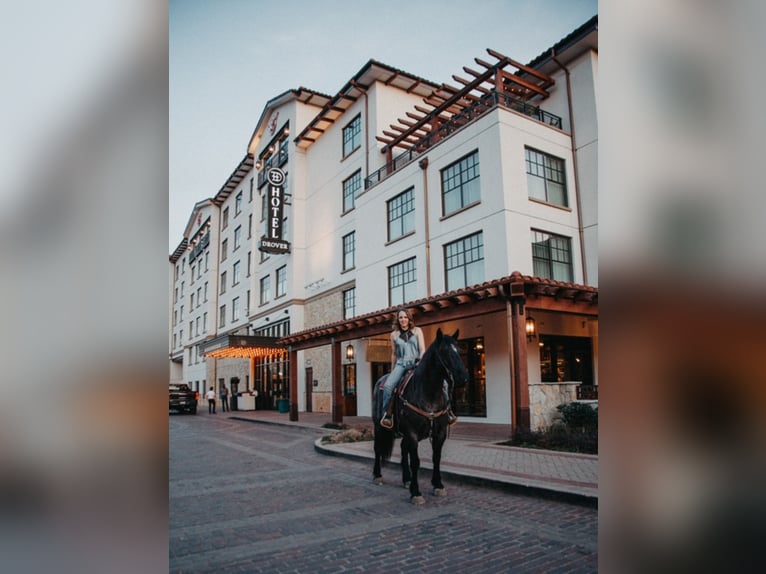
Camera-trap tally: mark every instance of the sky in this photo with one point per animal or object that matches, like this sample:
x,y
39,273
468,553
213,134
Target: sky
x,y
228,58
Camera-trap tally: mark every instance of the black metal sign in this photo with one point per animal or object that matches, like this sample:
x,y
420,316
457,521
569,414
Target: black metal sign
x,y
272,242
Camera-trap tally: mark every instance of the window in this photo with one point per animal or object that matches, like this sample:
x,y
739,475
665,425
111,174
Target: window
x,y
352,135
199,296
222,316
191,301
566,359
204,322
196,325
238,204
205,291
551,256
264,205
175,296
460,184
349,303
249,226
545,177
349,247
464,261
402,286
237,237
401,214
249,262
224,249
223,282
282,281
265,289
351,188
235,309
247,303
207,260
225,222
252,184
235,274
182,313
471,399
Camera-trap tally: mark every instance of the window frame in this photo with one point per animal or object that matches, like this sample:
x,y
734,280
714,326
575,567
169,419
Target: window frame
x,y
350,194
465,265
348,243
402,218
403,269
552,264
465,186
550,164
351,136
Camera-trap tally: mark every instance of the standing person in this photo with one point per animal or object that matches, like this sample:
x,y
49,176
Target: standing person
x,y
224,394
407,348
211,401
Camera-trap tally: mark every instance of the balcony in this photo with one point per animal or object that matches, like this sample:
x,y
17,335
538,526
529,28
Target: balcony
x,y
465,116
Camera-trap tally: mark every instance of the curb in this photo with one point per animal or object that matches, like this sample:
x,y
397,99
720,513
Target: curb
x,y
513,488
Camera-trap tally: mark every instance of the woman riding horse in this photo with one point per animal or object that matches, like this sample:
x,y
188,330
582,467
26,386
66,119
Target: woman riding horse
x,y
421,411
407,348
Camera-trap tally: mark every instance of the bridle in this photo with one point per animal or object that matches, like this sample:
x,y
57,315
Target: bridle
x,y
430,415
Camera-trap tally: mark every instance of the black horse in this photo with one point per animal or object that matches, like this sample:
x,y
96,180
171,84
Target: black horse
x,y
421,411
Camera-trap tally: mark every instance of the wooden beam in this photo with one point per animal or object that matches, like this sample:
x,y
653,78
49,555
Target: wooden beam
x,y
532,71
478,88
528,85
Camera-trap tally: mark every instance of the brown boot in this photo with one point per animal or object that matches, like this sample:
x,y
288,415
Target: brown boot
x,y
387,422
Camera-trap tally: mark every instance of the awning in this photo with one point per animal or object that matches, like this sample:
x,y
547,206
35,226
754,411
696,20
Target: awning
x,y
241,347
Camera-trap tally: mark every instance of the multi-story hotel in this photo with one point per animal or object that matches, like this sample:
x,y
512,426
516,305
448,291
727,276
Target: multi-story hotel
x,y
473,203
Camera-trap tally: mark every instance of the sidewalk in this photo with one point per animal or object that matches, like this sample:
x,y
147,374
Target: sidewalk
x,y
471,454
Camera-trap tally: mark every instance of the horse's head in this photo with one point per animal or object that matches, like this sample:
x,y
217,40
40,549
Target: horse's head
x,y
448,356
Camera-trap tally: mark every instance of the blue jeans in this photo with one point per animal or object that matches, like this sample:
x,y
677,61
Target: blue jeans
x,y
392,380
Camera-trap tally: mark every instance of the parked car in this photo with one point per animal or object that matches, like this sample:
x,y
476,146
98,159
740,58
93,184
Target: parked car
x,y
183,399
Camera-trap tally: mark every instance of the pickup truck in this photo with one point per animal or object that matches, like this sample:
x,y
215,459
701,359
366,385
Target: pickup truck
x,y
183,399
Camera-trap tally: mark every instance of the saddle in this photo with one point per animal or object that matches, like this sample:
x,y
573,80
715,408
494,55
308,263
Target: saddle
x,y
398,390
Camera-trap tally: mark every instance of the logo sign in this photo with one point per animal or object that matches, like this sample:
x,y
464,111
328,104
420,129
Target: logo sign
x,y
272,242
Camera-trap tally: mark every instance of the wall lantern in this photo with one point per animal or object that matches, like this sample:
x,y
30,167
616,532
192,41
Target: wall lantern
x,y
531,328
350,352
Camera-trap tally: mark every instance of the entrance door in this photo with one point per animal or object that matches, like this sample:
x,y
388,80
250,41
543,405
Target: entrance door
x,y
349,390
309,387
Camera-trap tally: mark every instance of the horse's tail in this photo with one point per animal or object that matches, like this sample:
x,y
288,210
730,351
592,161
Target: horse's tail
x,y
384,442
384,438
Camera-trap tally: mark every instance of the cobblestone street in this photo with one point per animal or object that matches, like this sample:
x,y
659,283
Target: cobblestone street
x,y
258,498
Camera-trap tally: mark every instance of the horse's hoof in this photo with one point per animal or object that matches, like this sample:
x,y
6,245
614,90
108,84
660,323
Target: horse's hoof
x,y
417,500
377,480
440,492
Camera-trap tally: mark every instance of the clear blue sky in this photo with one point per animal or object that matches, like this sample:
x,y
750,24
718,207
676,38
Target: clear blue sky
x,y
229,57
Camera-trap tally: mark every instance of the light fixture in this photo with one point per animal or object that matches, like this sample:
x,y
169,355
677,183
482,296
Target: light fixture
x,y
531,328
350,352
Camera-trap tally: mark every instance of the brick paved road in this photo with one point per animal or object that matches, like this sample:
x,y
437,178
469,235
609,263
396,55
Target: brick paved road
x,y
258,498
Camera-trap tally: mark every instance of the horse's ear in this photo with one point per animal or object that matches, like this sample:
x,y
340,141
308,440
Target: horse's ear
x,y
457,333
439,334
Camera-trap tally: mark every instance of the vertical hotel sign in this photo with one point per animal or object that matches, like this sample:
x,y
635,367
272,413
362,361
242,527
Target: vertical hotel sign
x,y
272,242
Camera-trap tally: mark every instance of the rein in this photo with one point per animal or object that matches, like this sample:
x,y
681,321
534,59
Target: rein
x,y
432,415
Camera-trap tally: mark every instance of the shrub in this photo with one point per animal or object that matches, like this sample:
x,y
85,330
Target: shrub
x,y
579,416
577,431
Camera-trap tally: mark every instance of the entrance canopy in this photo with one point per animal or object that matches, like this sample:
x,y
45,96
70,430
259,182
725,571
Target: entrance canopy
x,y
241,347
